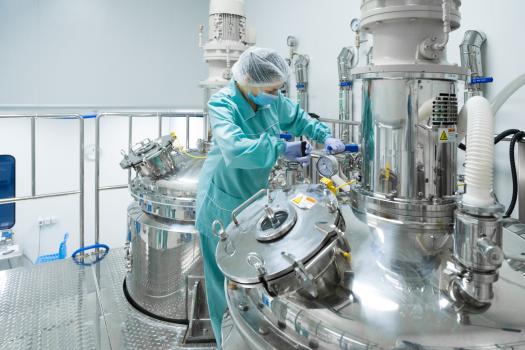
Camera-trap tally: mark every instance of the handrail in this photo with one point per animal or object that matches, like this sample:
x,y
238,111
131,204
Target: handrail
x,y
34,195
182,113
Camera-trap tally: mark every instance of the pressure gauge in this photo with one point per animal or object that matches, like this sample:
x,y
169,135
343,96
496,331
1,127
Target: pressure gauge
x,y
355,24
328,166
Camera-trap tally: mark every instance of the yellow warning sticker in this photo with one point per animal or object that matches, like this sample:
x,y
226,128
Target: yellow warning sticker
x,y
446,135
304,202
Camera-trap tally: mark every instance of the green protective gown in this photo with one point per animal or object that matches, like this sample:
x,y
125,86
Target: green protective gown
x,y
245,147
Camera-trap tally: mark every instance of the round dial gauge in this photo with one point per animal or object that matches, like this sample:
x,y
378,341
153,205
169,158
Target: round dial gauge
x,y
327,166
355,24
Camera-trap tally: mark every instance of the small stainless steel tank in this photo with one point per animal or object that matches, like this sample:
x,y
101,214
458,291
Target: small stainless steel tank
x,y
165,273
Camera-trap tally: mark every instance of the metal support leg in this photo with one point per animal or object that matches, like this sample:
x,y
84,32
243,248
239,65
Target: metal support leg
x,y
130,140
33,156
160,124
81,182
187,132
97,180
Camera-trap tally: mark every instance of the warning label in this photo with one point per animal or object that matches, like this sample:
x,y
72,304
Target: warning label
x,y
446,135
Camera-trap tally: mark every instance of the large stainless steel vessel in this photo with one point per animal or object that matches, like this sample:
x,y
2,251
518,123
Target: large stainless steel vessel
x,y
363,305
165,274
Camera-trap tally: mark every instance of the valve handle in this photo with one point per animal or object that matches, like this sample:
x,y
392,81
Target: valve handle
x,y
351,148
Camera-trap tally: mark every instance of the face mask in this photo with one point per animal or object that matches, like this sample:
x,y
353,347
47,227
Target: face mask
x,y
263,98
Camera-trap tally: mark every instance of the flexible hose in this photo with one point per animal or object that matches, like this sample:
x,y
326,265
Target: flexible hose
x,y
518,136
99,257
507,92
479,159
504,134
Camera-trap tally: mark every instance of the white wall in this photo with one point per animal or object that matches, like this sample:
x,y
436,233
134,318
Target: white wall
x,y
323,29
101,52
96,54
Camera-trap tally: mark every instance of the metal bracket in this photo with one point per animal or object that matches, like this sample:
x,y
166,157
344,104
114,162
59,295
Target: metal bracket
x,y
328,228
199,327
302,275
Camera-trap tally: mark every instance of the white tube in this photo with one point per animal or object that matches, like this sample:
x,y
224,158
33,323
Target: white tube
x,y
507,92
479,159
425,110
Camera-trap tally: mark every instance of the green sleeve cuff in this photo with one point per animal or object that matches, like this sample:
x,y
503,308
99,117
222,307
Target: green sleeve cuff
x,y
281,147
323,138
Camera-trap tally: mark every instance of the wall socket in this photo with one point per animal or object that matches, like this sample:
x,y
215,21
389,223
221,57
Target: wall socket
x,y
49,221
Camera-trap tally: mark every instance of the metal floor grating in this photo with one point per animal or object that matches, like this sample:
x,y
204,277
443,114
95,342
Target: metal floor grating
x,y
62,305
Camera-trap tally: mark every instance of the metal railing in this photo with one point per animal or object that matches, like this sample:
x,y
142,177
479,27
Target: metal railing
x,y
33,118
161,115
337,123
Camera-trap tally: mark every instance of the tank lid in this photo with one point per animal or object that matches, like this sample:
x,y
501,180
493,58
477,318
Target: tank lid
x,y
145,149
270,231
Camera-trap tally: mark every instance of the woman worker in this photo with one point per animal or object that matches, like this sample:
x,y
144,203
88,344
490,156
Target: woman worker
x,y
246,118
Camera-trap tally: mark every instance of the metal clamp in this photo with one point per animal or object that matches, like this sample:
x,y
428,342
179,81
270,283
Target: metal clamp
x,y
222,233
328,228
304,276
490,251
244,205
257,262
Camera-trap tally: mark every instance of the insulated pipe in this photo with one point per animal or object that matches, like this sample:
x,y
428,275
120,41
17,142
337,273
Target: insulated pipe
x,y
471,58
301,79
344,63
507,92
446,26
479,167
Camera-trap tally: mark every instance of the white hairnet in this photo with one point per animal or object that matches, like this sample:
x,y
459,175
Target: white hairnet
x,y
258,67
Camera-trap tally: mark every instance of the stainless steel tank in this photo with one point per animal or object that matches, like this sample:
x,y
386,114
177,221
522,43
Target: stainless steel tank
x,y
362,306
409,116
165,273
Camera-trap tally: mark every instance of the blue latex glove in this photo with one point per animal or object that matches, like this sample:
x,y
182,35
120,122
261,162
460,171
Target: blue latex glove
x,y
294,152
334,146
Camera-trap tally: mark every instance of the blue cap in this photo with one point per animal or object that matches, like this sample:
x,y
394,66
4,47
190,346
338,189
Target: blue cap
x,y
345,83
286,137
